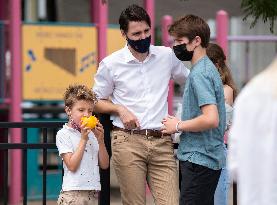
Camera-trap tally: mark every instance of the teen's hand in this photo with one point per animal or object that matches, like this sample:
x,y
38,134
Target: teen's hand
x,y
169,123
99,133
129,120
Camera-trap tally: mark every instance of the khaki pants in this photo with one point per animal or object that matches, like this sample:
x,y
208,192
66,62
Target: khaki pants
x,y
137,158
78,198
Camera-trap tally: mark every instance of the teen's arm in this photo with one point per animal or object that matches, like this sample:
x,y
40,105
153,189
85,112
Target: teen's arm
x,y
207,120
204,86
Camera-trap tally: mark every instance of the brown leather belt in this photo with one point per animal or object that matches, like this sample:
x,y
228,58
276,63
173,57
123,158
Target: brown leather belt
x,y
146,132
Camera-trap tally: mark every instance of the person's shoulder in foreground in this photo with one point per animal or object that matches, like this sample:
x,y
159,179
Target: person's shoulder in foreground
x,y
253,139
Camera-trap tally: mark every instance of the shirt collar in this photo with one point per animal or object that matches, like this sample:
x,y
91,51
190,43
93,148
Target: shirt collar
x,y
129,56
200,60
153,51
69,128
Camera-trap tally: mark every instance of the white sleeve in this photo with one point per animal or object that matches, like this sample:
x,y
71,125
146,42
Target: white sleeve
x,y
63,143
103,82
179,71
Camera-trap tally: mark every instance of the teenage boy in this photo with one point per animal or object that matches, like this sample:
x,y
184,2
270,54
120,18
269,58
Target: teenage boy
x,y
201,148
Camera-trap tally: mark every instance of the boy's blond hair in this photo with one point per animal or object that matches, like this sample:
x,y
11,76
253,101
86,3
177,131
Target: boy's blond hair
x,y
78,92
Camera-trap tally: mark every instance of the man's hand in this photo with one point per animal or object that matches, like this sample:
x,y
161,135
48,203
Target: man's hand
x,y
128,119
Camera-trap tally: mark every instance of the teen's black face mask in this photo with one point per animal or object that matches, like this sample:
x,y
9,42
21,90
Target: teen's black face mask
x,y
182,53
141,46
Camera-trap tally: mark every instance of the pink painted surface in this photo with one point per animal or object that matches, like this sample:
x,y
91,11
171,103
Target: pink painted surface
x,y
3,12
15,95
100,18
7,100
166,21
222,28
149,6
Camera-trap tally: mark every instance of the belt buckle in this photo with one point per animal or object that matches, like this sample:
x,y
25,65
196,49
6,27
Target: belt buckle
x,y
147,134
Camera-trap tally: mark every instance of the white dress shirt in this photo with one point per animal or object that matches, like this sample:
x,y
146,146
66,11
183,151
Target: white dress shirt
x,y
253,140
142,87
87,175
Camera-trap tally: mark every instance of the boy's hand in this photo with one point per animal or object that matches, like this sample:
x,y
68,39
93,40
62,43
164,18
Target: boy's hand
x,y
99,133
84,132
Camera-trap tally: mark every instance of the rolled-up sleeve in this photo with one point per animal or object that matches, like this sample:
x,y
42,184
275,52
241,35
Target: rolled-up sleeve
x,y
103,82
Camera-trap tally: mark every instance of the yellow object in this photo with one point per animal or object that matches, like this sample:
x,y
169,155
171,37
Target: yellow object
x,y
52,52
89,121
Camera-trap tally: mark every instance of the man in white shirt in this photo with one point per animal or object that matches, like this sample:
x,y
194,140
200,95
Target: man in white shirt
x,y
253,140
135,79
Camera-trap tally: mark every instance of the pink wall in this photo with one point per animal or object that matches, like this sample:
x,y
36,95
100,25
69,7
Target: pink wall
x,y
222,29
15,104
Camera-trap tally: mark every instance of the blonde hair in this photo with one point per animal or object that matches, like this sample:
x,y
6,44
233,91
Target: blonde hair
x,y
78,92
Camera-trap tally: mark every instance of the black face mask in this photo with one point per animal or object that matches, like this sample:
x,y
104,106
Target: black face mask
x,y
141,46
182,53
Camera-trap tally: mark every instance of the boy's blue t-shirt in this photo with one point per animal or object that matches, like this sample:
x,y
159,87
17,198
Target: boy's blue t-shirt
x,y
203,87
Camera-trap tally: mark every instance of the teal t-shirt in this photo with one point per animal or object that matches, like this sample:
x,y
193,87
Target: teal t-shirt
x,y
203,87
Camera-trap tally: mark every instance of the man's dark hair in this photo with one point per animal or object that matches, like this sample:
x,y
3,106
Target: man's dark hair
x,y
133,13
191,26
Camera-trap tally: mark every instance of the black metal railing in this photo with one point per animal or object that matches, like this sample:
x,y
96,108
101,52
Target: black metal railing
x,y
104,198
24,146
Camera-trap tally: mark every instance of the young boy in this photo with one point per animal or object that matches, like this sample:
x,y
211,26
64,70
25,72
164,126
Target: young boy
x,y
81,149
201,149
